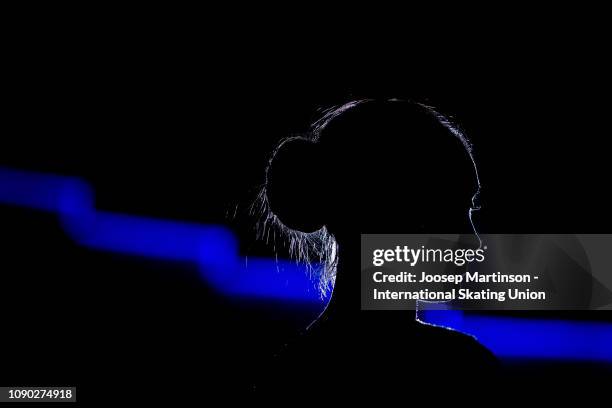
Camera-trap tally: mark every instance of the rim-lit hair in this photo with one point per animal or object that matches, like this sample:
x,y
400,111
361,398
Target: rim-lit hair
x,y
318,249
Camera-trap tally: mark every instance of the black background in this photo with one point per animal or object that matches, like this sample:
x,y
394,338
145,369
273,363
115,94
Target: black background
x,y
180,127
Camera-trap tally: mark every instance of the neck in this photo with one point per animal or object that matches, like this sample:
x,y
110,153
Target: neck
x,y
344,306
345,301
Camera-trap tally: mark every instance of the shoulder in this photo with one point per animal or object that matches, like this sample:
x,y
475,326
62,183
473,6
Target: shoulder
x,y
454,349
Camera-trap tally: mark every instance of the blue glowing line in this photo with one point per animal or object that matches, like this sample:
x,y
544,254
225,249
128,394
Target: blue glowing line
x,y
215,251
213,248
147,237
283,279
546,339
44,192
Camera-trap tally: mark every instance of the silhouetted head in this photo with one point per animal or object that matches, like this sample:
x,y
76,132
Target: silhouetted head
x,y
374,167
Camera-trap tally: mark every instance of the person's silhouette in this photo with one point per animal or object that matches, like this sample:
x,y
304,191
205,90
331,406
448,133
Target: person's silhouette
x,y
373,167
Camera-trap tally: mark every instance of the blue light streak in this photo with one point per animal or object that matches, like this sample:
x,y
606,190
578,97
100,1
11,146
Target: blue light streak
x,y
544,339
215,250
212,247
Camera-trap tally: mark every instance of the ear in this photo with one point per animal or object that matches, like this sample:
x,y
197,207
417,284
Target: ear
x,y
295,185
